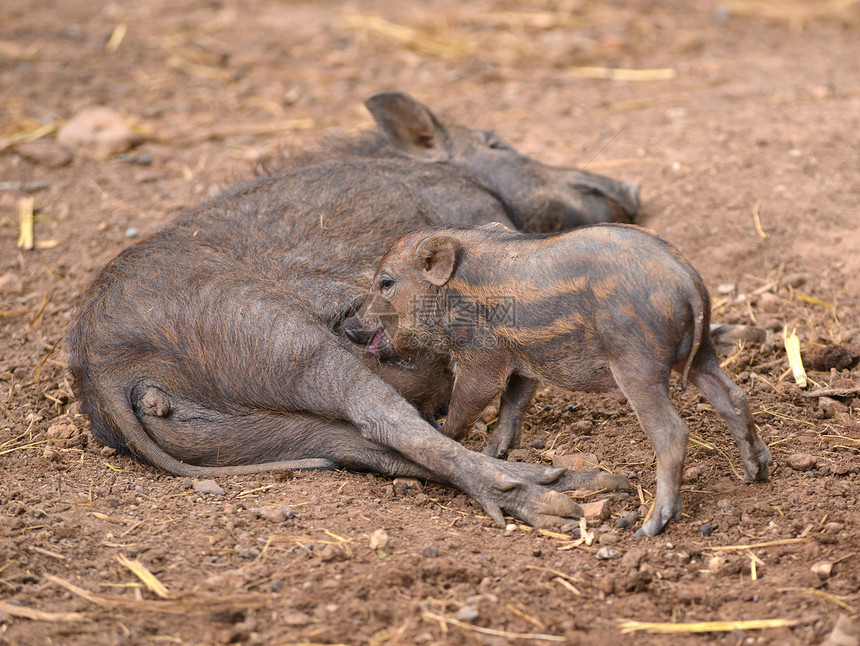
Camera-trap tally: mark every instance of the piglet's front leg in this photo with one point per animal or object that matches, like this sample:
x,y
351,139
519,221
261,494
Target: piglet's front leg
x,y
515,400
475,385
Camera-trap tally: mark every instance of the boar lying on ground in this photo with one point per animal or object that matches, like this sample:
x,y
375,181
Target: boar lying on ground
x,y
604,308
216,345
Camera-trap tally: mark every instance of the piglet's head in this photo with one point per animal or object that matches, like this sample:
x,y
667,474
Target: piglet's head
x,y
404,296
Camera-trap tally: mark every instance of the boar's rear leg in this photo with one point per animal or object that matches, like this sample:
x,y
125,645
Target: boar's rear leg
x,y
515,400
731,404
649,398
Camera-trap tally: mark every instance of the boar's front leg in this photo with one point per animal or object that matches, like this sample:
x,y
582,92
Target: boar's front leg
x,y
334,384
515,400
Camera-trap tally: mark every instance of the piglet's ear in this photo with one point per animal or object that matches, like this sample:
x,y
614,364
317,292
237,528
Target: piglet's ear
x,y
436,258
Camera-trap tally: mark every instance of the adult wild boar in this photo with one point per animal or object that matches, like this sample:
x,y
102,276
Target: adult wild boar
x,y
215,346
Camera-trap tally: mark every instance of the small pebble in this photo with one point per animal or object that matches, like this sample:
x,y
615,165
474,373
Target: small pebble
x,y
608,552
379,540
510,528
549,407
131,232
822,569
627,521
802,461
569,408
706,530
207,486
430,552
538,444
98,128
11,283
467,613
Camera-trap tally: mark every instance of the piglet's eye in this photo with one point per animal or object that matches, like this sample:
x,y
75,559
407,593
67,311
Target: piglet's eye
x,y
386,282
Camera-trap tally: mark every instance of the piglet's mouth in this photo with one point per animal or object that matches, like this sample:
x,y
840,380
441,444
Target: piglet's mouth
x,y
373,346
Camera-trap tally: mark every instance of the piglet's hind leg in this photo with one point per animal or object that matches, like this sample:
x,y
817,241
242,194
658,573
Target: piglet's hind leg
x,y
649,398
731,404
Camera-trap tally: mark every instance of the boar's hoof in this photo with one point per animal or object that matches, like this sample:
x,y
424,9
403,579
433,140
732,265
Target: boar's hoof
x,y
154,402
505,482
610,481
551,475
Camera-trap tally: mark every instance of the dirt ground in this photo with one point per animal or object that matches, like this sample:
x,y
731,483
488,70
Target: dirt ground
x,y
742,112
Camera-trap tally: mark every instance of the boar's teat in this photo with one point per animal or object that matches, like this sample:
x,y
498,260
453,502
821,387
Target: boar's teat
x,y
436,257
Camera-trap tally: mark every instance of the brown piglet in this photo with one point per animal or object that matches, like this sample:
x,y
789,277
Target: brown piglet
x,y
604,308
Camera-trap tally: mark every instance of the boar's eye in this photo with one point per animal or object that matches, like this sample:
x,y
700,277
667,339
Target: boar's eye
x,y
385,283
493,141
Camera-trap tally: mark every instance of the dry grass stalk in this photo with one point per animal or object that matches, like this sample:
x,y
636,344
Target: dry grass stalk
x,y
27,134
832,392
795,13
490,631
221,131
25,223
623,74
533,19
705,626
175,606
557,573
521,613
148,578
16,52
832,598
852,442
756,213
814,301
54,555
545,532
224,18
697,441
116,37
755,546
792,349
195,69
568,585
39,615
411,37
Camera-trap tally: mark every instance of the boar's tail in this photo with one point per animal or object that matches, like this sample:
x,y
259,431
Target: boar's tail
x,y
116,407
699,314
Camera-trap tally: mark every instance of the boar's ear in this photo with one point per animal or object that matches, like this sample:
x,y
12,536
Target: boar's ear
x,y
409,126
436,257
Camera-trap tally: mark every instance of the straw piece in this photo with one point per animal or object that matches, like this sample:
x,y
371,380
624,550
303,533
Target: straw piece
x,y
814,301
25,223
787,541
792,348
27,134
623,74
39,615
139,570
491,631
757,220
705,626
116,37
